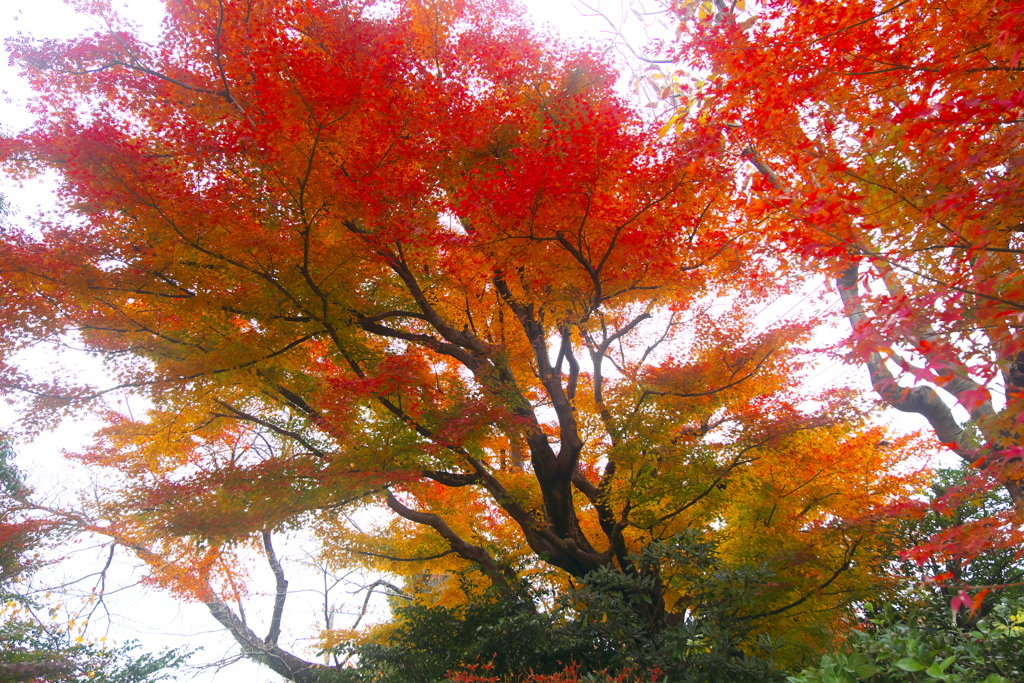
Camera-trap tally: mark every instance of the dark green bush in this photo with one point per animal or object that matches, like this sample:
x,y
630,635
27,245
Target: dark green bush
x,y
606,624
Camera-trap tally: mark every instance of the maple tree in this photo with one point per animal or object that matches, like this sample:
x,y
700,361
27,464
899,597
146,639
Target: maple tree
x,y
884,142
412,259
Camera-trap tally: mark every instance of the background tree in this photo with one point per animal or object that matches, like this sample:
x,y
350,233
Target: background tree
x,y
912,634
885,142
410,259
32,651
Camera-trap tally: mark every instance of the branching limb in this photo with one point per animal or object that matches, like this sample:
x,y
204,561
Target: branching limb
x,y
955,379
379,583
541,539
553,471
923,399
499,576
463,338
843,567
280,593
277,660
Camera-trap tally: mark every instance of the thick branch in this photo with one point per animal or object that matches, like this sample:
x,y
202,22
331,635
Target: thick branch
x,y
554,472
432,343
462,548
394,558
297,401
454,479
923,400
280,592
277,660
463,338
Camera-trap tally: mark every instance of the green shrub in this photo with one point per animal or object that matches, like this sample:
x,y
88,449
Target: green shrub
x,y
605,629
926,645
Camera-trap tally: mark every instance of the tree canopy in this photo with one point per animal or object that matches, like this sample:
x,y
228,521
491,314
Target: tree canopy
x,y
885,142
415,281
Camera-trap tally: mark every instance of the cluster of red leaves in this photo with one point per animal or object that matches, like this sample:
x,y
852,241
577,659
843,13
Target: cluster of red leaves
x,y
889,137
17,537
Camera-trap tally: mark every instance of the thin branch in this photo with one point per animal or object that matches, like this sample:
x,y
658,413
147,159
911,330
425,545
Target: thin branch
x,y
239,414
847,563
395,591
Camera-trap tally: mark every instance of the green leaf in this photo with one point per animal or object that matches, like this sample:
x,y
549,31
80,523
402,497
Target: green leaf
x,y
910,664
866,670
941,668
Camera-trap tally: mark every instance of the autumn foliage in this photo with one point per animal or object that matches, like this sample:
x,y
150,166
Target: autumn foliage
x,y
885,142
410,259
